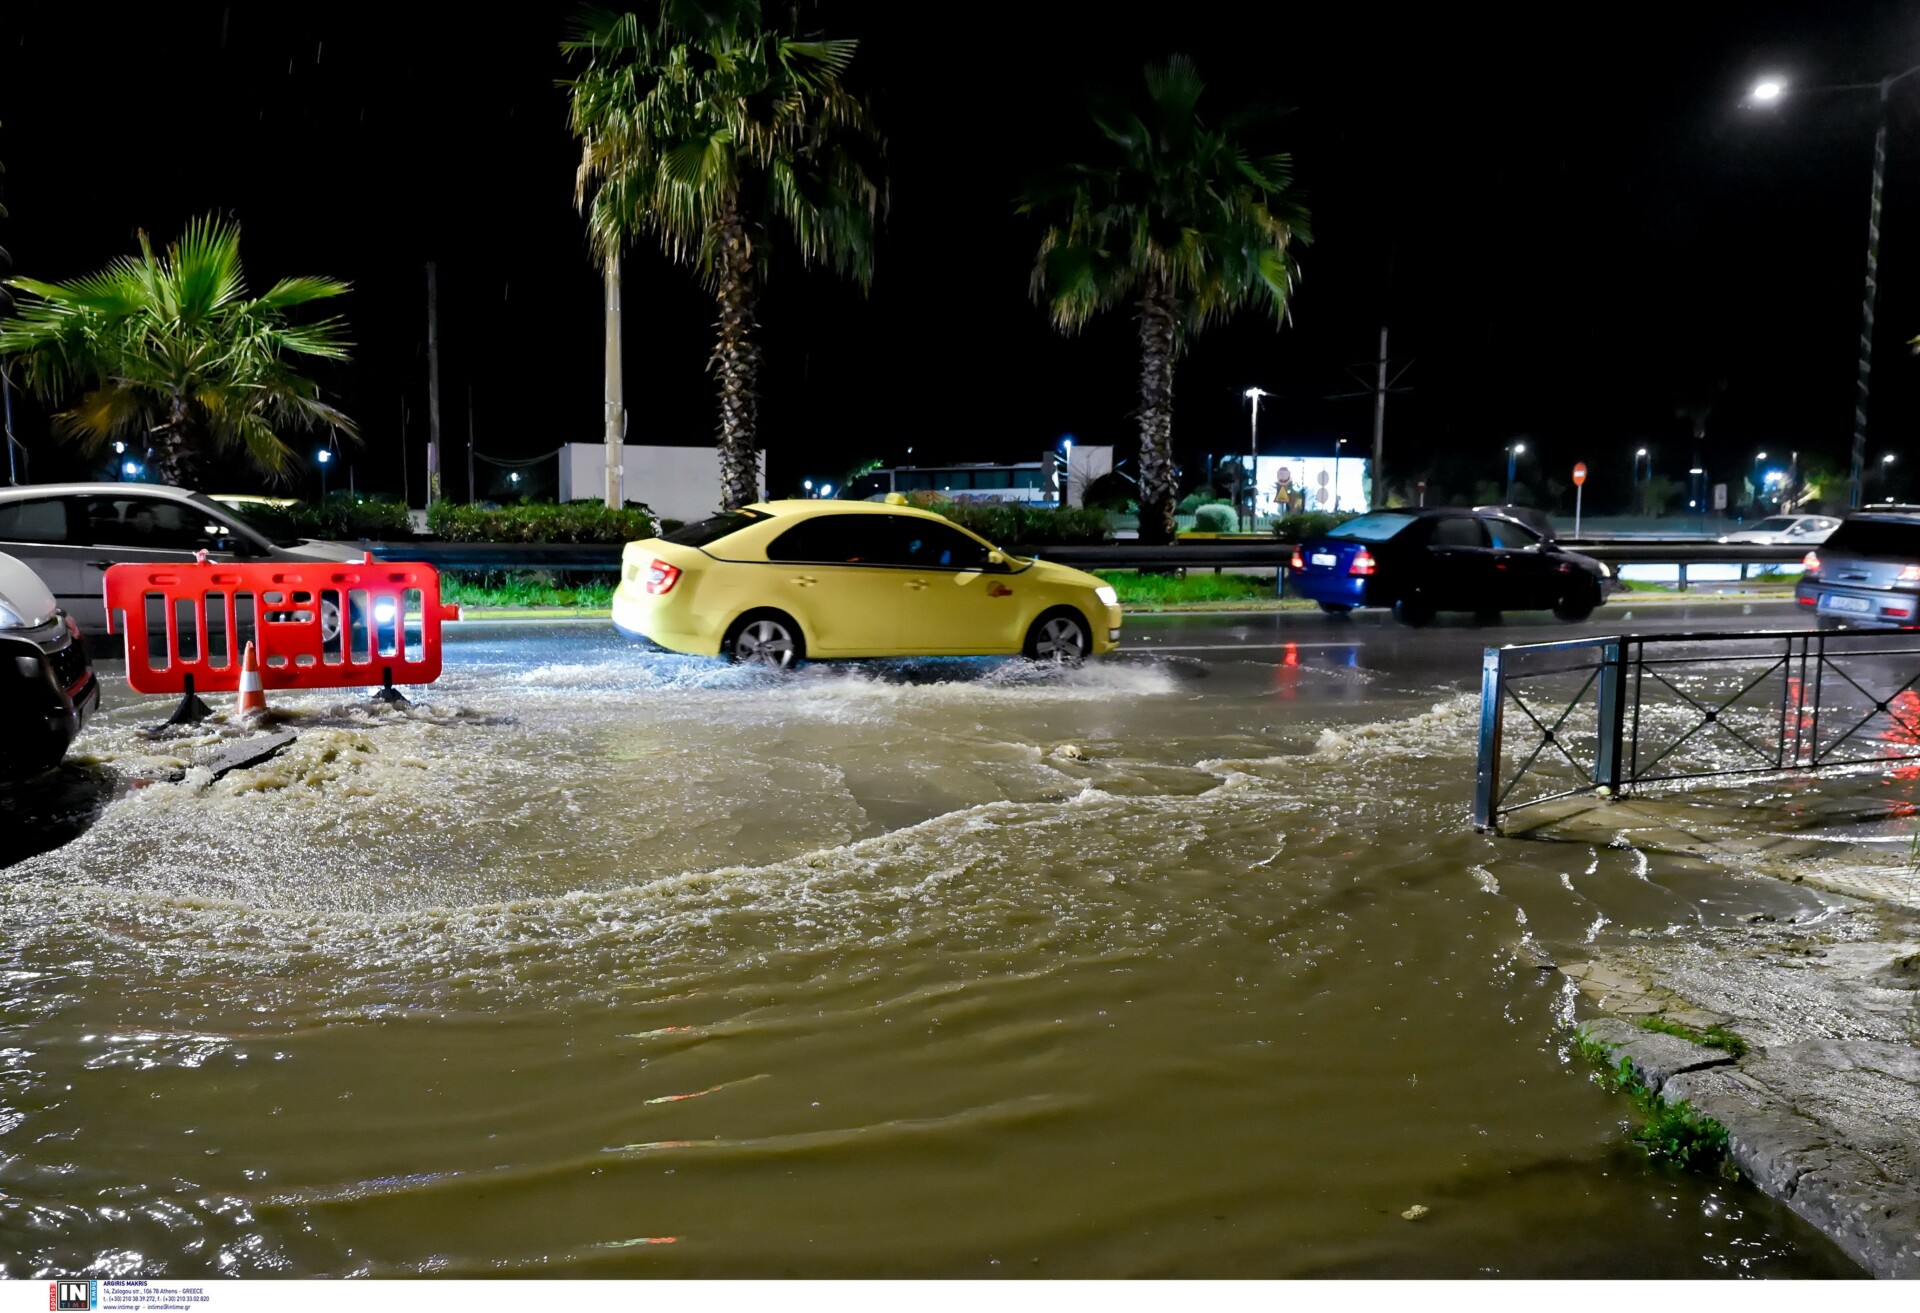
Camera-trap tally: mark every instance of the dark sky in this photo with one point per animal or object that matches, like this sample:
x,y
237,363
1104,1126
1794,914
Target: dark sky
x,y
1562,214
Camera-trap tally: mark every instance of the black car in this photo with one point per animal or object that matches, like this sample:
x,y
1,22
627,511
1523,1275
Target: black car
x,y
1867,573
47,684
1426,561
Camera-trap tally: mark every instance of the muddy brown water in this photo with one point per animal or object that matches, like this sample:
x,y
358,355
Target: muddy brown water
x,y
626,965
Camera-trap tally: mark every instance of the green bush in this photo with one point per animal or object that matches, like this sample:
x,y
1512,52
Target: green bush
x,y
533,522
341,515
1015,525
1209,496
1302,525
1215,518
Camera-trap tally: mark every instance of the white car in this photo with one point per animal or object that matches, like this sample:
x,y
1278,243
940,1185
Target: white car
x,y
69,533
47,684
1808,529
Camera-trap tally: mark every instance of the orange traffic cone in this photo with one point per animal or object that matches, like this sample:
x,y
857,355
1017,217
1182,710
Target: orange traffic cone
x,y
253,698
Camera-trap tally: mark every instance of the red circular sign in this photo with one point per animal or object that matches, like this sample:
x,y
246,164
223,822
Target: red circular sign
x,y
1579,474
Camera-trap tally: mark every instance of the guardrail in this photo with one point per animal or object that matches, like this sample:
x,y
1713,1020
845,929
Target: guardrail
x,y
1106,556
1610,715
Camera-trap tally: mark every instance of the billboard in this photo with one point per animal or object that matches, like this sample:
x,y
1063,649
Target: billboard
x,y
1313,483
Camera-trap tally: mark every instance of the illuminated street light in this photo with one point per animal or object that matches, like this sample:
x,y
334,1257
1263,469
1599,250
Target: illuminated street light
x,y
1513,454
826,490
1254,395
323,456
1767,91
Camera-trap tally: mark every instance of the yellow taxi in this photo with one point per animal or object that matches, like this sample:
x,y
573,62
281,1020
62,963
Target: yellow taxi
x,y
777,582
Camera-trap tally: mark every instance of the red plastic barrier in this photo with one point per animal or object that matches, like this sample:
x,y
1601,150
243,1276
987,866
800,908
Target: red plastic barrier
x,y
313,625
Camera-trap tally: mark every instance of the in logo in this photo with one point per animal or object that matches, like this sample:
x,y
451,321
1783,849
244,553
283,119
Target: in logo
x,y
72,1295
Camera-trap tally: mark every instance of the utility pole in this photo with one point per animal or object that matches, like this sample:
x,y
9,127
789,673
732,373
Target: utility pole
x,y
433,384
616,404
473,494
1379,497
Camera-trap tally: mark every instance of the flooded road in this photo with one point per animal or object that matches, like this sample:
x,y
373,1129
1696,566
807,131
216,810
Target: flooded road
x,y
608,963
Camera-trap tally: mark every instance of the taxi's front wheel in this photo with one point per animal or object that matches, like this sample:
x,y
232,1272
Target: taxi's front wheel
x,y
1061,636
765,638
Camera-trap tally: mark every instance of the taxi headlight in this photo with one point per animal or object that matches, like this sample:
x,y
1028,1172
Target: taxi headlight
x,y
1107,595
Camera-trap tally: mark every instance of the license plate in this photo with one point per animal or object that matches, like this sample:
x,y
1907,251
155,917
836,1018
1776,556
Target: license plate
x,y
1325,558
1855,605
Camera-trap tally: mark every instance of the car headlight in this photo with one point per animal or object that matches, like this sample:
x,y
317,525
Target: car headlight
x,y
1606,571
1107,595
12,619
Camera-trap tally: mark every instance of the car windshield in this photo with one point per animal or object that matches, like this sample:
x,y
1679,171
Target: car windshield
x,y
1772,524
1375,528
1876,538
703,532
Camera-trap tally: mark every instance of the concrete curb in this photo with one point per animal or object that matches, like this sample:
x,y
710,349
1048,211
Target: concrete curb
x,y
1855,1196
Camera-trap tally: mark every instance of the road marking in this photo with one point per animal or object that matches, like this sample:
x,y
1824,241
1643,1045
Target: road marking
x,y
1226,647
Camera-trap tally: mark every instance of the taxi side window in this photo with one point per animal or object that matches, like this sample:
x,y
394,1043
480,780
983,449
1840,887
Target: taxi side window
x,y
832,540
1458,531
932,546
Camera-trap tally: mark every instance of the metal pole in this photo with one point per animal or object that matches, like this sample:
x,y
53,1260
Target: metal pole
x,y
433,384
616,404
1253,459
1379,498
6,397
1486,783
1577,490
1512,456
473,494
1866,304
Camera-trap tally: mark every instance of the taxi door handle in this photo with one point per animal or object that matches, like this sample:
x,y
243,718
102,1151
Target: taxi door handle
x,y
805,580
917,584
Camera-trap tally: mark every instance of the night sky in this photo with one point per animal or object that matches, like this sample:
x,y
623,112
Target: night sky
x,y
1566,220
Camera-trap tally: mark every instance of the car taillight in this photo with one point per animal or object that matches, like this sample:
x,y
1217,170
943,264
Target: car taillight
x,y
1296,563
661,577
1362,562
1811,562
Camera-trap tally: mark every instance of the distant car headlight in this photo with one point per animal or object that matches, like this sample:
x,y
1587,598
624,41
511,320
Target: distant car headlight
x,y
383,613
12,619
1107,595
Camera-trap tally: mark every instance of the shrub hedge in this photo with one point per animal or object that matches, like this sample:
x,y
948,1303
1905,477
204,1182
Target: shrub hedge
x,y
1214,518
533,522
1302,525
1012,524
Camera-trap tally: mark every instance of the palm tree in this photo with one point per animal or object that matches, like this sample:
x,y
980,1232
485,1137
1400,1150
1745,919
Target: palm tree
x,y
169,350
1185,220
710,130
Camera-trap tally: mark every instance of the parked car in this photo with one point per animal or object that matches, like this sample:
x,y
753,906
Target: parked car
x,y
1808,529
1423,562
1867,572
47,684
70,533
780,581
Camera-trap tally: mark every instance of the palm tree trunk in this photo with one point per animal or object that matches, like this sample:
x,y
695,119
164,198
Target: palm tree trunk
x,y
173,444
1158,485
736,358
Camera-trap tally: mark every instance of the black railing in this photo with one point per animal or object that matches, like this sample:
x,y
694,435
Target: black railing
x,y
1611,715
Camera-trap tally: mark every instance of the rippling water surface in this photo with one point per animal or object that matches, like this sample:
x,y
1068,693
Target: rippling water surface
x,y
636,965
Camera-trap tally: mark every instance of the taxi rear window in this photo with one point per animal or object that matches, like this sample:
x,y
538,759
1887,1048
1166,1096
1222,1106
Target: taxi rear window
x,y
713,529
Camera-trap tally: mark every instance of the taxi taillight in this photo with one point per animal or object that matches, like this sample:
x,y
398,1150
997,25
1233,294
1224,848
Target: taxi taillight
x,y
661,577
1296,563
1811,563
1362,562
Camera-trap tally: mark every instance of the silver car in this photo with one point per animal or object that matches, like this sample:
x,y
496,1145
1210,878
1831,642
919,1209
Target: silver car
x,y
1808,529
47,684
69,533
1866,574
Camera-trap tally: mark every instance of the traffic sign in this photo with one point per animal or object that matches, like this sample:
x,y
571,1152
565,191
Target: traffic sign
x,y
1579,473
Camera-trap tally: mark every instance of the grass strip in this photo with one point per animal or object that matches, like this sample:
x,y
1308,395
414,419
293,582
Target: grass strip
x,y
1668,1132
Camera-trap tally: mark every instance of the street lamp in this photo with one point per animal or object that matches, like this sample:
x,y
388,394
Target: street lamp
x,y
1337,444
323,456
808,485
826,490
1253,450
1513,454
1770,91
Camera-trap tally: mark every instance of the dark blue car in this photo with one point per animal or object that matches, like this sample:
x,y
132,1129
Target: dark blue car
x,y
1426,561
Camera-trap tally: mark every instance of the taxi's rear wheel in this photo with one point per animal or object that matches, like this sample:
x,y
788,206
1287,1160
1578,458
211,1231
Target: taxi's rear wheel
x,y
765,638
1059,636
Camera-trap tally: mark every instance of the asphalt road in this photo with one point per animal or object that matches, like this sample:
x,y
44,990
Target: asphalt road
x,y
1297,663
